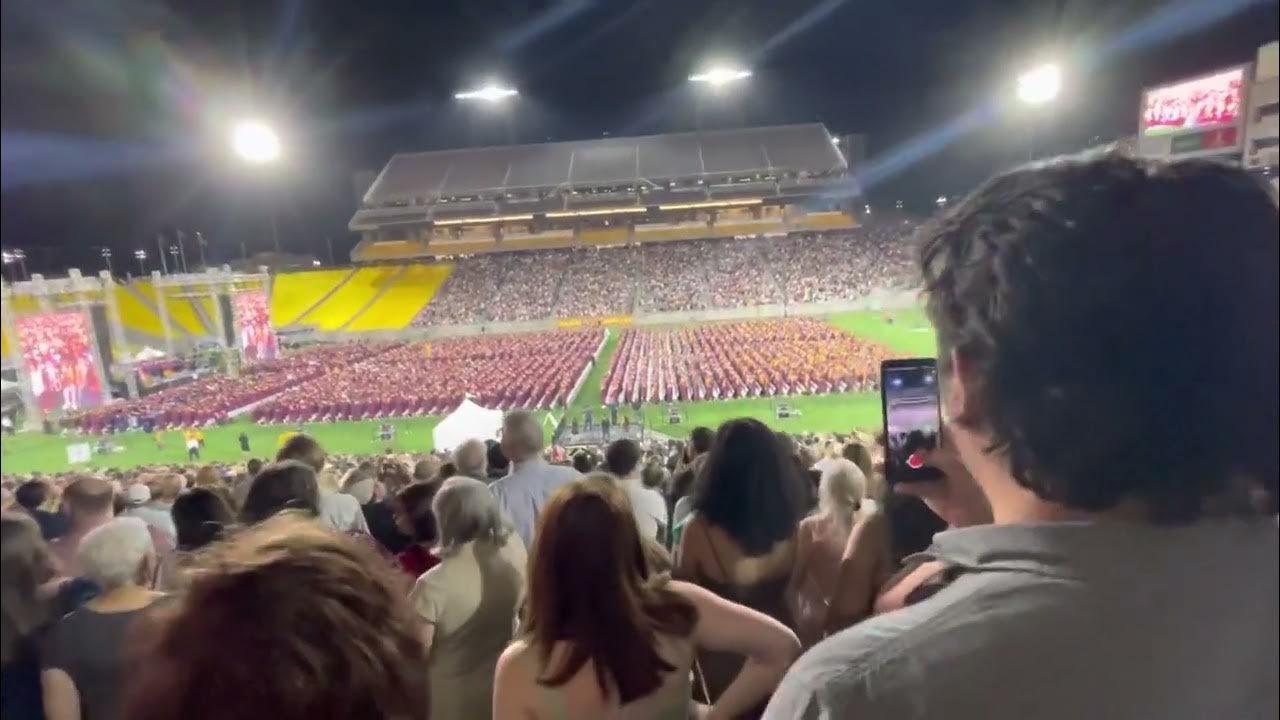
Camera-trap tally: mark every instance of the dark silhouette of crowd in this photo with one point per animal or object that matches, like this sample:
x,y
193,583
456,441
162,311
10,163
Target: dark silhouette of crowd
x,y
1101,540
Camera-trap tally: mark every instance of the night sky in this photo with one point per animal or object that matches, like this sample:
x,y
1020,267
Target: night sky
x,y
115,112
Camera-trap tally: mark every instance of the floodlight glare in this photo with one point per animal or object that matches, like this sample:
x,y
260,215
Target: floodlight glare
x,y
1040,85
720,76
255,142
488,93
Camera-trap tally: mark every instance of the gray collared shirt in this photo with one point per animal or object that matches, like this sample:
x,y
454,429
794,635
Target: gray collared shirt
x,y
523,492
1066,621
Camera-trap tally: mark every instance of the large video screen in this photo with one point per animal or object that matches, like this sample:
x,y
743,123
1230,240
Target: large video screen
x,y
253,326
1206,102
57,349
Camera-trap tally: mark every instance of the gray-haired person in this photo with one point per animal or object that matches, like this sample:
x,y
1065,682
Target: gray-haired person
x,y
83,669
524,491
470,459
470,600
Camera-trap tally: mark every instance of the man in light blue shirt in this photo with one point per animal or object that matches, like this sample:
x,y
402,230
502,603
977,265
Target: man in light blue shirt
x,y
531,481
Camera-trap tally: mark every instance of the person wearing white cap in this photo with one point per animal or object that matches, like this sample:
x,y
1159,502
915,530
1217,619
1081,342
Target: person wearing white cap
x,y
140,504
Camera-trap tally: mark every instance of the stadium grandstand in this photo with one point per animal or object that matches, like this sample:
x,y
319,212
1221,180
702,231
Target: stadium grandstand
x,y
611,191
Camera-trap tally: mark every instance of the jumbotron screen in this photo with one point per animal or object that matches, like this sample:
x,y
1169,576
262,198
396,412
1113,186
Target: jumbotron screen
x,y
1210,101
253,325
57,348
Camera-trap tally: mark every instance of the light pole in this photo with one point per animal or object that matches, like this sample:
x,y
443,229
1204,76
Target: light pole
x,y
173,252
718,79
106,257
1036,88
256,143
200,248
182,250
164,264
16,257
141,256
496,96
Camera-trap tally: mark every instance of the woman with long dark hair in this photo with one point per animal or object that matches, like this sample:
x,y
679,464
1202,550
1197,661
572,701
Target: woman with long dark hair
x,y
605,637
740,540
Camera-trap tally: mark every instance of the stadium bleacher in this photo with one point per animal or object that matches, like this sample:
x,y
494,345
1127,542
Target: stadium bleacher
x,y
402,300
294,294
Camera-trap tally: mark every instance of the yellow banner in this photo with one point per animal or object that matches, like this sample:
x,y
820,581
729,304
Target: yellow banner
x,y
606,321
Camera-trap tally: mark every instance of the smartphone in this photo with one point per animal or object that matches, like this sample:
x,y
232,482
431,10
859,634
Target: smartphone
x,y
912,418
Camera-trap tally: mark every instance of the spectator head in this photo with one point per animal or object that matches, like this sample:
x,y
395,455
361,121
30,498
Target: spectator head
x,y
425,469
323,607
359,485
446,471
584,461
622,457
88,499
521,436
26,566
466,510
588,588
167,487
201,516
497,461
117,553
283,485
841,490
470,458
137,494
858,454
32,494
414,515
253,466
700,439
654,476
208,476
393,475
303,448
749,487
1081,293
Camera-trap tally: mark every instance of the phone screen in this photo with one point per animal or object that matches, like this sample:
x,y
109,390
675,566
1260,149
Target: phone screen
x,y
912,418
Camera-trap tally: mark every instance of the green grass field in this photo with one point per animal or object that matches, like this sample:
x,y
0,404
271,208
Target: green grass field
x,y
905,331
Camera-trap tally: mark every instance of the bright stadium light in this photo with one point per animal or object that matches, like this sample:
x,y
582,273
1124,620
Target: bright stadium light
x,y
720,76
491,92
255,142
1040,85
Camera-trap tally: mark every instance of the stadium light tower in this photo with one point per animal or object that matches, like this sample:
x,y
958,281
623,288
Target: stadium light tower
x,y
719,76
255,142
487,93
1040,85
141,257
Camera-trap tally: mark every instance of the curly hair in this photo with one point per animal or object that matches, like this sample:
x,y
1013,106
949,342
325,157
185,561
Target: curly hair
x,y
1117,322
285,620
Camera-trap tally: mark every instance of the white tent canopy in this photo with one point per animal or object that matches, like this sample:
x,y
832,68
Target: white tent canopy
x,y
148,353
469,421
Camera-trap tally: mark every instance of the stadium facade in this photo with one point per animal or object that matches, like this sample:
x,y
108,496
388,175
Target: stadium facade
x,y
610,191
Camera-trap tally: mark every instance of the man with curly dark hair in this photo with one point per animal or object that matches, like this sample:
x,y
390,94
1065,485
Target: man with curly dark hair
x,y
1108,356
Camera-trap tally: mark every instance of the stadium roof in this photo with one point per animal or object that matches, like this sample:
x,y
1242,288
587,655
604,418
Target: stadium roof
x,y
423,178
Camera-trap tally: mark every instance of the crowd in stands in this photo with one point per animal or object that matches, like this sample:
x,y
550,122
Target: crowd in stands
x,y
536,370
1100,540
743,359
211,399
673,276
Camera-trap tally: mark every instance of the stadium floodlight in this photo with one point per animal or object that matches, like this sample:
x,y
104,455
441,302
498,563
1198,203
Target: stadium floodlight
x,y
720,76
255,142
490,93
1040,85
941,201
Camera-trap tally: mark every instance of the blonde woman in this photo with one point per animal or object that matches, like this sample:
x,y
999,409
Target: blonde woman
x,y
820,542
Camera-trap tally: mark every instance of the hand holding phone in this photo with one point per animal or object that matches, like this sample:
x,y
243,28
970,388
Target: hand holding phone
x,y
912,418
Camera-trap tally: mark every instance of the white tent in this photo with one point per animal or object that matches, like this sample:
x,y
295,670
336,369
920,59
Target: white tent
x,y
148,353
469,421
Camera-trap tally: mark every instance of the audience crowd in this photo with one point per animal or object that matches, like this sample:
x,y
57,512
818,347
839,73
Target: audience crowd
x,y
1100,540
536,370
743,359
673,276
